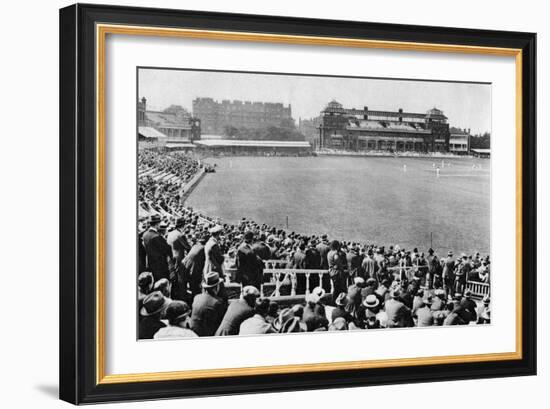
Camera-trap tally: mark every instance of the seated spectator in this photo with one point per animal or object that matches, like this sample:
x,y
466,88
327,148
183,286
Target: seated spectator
x,y
177,313
257,324
238,311
153,306
314,312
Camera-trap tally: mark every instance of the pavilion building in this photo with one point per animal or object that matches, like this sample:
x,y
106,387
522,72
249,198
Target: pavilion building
x,y
364,129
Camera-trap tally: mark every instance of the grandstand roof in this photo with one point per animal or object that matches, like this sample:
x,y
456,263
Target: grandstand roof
x,y
212,143
148,132
180,145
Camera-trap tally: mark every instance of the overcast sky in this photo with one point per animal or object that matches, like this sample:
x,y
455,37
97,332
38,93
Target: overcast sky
x,y
466,105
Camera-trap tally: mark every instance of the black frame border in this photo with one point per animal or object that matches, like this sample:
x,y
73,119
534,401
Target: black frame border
x,y
78,197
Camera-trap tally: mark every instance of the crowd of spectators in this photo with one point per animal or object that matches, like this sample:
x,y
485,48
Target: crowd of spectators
x,y
187,263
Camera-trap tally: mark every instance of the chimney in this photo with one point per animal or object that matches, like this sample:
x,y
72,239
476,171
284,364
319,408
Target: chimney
x,y
366,113
400,114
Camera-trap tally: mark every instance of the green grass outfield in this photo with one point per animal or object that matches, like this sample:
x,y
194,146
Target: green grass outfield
x,y
365,199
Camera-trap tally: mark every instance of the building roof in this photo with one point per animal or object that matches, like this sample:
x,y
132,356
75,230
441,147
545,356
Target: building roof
x,y
148,132
479,150
211,143
167,119
180,145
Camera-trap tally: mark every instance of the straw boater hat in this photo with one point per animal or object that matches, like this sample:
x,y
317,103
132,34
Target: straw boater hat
x,y
211,279
316,295
371,301
153,304
216,229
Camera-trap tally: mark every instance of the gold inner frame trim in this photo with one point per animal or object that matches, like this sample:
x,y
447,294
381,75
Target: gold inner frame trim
x,y
101,33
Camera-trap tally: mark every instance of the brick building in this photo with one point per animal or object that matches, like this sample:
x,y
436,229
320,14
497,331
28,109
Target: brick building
x,y
216,116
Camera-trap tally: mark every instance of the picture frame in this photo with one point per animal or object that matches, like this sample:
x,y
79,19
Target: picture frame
x,y
84,177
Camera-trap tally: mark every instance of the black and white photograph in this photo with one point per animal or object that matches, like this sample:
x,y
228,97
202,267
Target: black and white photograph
x,y
273,203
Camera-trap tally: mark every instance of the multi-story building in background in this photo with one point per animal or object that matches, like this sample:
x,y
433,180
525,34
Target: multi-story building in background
x,y
364,129
217,116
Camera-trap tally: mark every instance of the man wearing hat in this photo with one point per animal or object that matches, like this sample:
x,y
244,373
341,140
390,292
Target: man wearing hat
x,y
484,311
340,310
177,313
398,313
193,264
369,265
238,311
145,285
424,314
208,309
469,306
159,253
461,274
180,247
323,248
448,273
250,266
314,315
153,306
261,249
213,255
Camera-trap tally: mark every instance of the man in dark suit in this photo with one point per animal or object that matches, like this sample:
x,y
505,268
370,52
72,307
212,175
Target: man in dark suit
x,y
261,249
193,265
238,311
208,309
159,253
180,246
354,261
398,313
323,248
250,266
299,262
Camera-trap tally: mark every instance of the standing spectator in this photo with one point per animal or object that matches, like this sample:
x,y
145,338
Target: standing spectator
x,y
448,273
180,247
354,261
193,264
261,249
336,265
158,251
249,265
323,248
369,265
213,255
